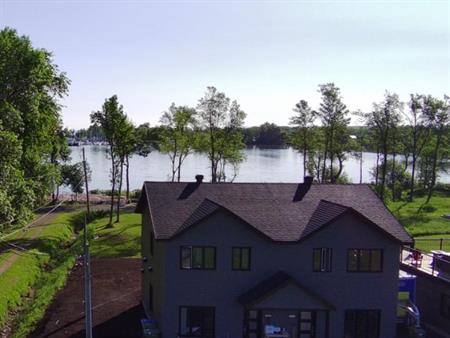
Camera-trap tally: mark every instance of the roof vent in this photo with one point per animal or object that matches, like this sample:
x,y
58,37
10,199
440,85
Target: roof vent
x,y
199,178
303,188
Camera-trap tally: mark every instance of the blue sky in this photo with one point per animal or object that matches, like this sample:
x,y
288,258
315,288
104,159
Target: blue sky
x,y
265,54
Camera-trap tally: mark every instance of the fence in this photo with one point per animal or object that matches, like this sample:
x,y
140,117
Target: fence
x,y
428,244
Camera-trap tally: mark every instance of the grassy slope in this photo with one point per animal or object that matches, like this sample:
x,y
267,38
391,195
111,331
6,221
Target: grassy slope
x,y
122,240
16,281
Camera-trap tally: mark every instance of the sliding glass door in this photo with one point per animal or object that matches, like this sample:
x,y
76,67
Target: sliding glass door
x,y
280,323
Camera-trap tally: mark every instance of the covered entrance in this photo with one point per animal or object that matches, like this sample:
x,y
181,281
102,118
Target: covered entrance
x,y
279,307
275,323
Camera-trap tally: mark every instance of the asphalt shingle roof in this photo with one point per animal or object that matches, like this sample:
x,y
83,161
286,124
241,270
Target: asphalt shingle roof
x,y
268,207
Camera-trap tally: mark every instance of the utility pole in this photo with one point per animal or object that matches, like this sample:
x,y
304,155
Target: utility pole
x,y
87,285
86,184
87,261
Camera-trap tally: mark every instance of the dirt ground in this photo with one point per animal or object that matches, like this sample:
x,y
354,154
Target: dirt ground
x,y
116,293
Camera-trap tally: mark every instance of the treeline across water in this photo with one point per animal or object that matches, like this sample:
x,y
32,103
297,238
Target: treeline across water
x,y
34,156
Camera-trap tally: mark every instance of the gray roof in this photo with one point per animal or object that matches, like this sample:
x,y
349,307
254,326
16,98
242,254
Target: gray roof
x,y
270,208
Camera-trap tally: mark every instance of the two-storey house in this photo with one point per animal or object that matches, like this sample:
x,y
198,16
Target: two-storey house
x,y
258,260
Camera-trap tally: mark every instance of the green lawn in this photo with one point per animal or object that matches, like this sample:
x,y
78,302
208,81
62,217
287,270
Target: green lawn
x,y
425,221
428,220
122,240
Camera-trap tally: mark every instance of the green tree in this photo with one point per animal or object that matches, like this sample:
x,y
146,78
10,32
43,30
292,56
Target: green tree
x,y
126,145
111,120
30,87
177,136
59,154
303,138
221,122
438,112
73,177
333,114
418,132
384,121
16,196
270,134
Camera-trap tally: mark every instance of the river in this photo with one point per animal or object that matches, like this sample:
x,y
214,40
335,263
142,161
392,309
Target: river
x,y
260,165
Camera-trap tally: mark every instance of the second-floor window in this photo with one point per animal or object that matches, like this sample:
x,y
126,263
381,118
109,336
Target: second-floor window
x,y
198,257
322,259
365,260
241,258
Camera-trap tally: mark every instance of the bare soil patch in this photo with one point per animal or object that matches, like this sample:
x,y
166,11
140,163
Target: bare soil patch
x,y
116,301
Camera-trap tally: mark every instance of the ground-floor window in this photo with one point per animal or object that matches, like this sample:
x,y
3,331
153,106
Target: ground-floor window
x,y
196,321
362,324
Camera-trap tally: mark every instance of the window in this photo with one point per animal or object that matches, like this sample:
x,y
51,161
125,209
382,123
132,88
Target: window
x,y
362,324
322,260
445,305
241,258
196,321
198,257
365,260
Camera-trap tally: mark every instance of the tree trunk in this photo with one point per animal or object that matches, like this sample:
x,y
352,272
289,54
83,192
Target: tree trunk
x,y
413,172
341,167
393,178
377,171
384,169
332,179
324,166
212,156
119,191
304,160
113,174
434,168
127,176
179,168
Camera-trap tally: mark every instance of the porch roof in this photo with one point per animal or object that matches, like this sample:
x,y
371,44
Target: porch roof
x,y
271,285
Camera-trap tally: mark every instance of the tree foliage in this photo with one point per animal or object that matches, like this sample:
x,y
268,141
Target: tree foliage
x,y
221,123
178,137
30,125
303,138
333,114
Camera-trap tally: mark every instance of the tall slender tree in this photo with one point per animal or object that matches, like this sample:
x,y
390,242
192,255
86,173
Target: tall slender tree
x,y
126,144
177,136
438,112
418,134
333,114
303,121
383,120
110,119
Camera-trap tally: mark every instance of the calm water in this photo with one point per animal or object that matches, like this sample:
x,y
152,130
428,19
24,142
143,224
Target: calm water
x,y
260,165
